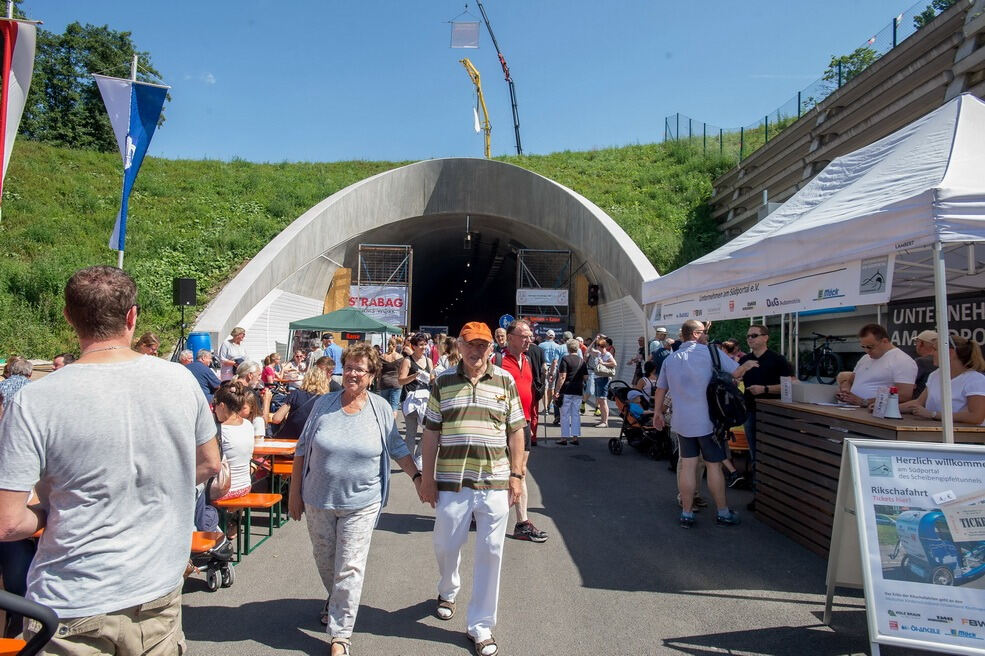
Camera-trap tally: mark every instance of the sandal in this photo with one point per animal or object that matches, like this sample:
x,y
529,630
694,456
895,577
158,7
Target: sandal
x,y
340,641
482,645
444,605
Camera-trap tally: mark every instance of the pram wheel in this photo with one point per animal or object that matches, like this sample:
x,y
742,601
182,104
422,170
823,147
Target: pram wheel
x,y
212,579
615,446
227,575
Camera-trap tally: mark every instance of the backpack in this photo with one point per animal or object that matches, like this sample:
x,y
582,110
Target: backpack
x,y
726,406
658,356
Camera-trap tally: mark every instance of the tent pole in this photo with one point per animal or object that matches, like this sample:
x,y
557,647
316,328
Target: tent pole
x,y
943,337
794,344
783,347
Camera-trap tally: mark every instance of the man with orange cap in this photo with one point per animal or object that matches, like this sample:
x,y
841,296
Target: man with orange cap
x,y
472,450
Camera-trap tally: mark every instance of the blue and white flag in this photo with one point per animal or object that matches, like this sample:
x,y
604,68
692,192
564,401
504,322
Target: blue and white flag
x,y
133,108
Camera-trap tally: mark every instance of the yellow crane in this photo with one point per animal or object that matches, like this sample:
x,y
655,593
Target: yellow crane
x,y
474,74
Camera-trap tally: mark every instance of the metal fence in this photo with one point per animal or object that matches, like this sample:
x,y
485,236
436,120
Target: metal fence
x,y
738,143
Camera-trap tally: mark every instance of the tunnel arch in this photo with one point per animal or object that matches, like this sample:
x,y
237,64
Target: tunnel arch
x,y
432,197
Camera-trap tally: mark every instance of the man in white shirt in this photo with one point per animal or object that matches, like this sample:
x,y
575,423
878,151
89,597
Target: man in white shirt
x,y
883,365
685,375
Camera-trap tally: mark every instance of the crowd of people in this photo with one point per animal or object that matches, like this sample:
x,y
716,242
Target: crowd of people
x,y
117,529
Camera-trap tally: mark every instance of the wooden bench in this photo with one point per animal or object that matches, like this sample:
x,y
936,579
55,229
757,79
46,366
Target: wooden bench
x,y
202,541
11,646
738,444
244,506
279,482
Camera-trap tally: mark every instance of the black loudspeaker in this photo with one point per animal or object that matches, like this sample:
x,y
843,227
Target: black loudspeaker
x,y
183,291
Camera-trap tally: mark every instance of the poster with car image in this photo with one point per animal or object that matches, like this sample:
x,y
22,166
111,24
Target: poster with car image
x,y
921,517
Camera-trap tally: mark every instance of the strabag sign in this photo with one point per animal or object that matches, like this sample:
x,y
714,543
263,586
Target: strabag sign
x,y
386,303
861,282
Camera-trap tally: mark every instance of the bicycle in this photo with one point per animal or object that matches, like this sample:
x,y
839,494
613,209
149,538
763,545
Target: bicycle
x,y
822,362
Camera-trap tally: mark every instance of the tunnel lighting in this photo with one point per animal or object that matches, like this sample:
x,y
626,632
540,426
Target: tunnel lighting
x,y
468,264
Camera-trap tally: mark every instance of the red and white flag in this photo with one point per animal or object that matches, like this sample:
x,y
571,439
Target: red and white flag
x,y
18,65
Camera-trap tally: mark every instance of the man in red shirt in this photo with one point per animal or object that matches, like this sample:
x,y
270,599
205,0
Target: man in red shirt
x,y
517,362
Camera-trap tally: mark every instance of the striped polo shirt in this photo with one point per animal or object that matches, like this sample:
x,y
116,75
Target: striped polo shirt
x,y
473,422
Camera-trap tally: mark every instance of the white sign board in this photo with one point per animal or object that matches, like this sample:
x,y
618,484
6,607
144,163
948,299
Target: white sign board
x,y
862,282
909,528
538,296
386,303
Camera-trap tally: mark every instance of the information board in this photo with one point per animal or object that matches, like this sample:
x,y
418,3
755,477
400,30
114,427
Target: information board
x,y
909,528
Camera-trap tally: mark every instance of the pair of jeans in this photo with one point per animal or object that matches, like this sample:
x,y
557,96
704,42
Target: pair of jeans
x,y
15,560
340,542
453,514
392,396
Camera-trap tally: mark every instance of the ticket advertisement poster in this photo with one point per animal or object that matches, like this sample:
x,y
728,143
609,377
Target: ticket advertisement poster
x,y
922,523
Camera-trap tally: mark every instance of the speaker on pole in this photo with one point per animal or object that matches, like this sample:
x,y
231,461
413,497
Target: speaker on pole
x,y
183,291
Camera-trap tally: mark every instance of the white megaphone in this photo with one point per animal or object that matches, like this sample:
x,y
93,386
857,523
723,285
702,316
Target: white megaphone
x,y
892,405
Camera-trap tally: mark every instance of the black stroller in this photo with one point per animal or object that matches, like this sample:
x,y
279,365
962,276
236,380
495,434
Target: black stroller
x,y
637,431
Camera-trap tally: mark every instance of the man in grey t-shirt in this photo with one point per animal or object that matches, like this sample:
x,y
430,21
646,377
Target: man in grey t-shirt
x,y
114,462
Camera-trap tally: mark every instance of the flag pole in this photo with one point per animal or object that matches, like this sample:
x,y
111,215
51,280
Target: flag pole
x,y
133,78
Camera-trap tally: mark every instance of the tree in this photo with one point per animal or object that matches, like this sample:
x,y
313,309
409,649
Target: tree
x,y
933,10
64,106
844,68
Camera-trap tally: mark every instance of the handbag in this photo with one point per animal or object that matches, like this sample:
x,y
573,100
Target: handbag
x,y
603,370
218,486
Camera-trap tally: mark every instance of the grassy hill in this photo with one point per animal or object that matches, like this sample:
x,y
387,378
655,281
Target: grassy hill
x,y
205,219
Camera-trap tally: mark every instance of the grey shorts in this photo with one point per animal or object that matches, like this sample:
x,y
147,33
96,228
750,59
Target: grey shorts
x,y
706,445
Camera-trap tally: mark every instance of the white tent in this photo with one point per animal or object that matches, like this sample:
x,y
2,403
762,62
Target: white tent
x,y
836,241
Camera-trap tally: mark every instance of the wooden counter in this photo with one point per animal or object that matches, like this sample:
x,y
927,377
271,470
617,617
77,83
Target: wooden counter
x,y
798,453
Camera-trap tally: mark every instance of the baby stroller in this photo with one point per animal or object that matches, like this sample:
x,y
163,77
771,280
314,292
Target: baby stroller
x,y
212,551
637,423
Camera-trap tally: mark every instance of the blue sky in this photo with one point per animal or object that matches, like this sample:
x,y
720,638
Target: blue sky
x,y
375,79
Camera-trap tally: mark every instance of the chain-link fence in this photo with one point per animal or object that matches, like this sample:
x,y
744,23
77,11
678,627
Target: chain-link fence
x,y
738,143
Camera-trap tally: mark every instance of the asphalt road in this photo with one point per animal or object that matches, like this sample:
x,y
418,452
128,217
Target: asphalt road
x,y
617,576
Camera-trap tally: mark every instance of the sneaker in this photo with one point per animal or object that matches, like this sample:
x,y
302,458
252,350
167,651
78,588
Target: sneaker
x,y
699,501
598,413
686,522
733,478
575,442
731,519
556,422
562,442
527,531
582,408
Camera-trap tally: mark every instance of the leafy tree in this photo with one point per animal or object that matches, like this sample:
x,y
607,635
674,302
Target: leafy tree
x,y
851,65
64,106
933,10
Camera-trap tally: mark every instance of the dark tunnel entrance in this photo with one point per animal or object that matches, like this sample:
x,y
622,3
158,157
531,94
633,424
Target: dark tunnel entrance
x,y
457,280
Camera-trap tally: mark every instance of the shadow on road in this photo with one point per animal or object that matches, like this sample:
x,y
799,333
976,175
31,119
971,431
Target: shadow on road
x,y
277,623
629,501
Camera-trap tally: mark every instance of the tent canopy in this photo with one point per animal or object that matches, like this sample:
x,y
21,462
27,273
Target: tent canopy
x,y
886,202
348,319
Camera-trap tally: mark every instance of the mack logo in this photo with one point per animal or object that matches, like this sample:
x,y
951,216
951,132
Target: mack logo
x,y
973,622
830,292
959,633
943,619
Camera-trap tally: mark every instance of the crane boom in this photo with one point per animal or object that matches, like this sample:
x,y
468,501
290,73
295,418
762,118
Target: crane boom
x,y
474,74
509,80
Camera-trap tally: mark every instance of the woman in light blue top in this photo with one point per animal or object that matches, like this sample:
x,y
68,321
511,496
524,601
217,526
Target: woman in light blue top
x,y
341,480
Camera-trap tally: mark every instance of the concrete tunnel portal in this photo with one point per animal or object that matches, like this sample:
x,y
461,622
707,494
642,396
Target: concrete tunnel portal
x,y
429,205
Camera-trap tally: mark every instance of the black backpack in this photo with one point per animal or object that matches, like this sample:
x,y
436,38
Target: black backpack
x,y
726,406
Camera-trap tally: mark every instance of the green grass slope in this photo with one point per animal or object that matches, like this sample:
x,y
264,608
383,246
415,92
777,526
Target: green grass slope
x,y
205,219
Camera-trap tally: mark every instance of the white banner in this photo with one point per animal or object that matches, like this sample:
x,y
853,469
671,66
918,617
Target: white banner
x,y
538,296
853,283
386,303
920,524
